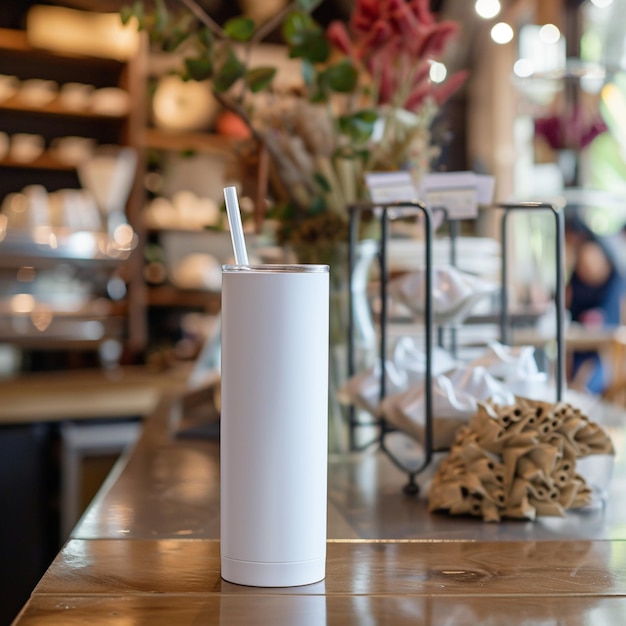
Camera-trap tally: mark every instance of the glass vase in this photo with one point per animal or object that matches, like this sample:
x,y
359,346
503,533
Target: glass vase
x,y
336,256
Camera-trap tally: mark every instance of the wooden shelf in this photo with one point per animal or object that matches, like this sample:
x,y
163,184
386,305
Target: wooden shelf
x,y
94,309
21,249
62,334
13,40
46,161
157,230
199,142
57,109
170,296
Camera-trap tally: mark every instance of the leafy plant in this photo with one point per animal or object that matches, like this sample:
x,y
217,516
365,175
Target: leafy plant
x,y
223,53
366,100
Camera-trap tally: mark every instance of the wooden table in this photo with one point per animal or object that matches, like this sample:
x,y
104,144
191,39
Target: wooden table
x,y
85,394
147,552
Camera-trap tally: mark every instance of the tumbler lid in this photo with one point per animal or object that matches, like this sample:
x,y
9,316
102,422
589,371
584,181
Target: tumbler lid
x,y
277,268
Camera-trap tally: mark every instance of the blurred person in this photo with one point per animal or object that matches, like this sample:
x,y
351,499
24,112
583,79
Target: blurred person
x,y
594,293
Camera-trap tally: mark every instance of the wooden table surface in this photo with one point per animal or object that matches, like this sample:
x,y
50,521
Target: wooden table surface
x,y
147,552
85,394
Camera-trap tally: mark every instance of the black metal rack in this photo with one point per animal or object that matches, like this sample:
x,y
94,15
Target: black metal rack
x,y
402,209
559,296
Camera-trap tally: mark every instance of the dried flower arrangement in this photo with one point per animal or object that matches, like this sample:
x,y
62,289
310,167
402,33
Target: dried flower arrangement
x,y
366,102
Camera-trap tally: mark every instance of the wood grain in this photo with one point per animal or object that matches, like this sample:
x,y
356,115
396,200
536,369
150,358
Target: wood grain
x,y
368,568
170,489
147,552
255,610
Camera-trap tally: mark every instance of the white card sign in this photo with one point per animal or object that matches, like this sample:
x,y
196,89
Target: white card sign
x,y
386,187
459,193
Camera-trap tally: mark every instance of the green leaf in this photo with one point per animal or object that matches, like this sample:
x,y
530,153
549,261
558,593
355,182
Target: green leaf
x,y
308,72
205,38
313,48
319,89
239,28
367,115
322,181
317,206
305,37
199,68
136,10
260,78
231,71
358,126
342,77
173,40
308,5
296,25
161,17
126,13
284,212
179,32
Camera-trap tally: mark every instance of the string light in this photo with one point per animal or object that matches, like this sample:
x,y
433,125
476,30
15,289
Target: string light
x,y
523,68
487,8
502,33
549,33
438,72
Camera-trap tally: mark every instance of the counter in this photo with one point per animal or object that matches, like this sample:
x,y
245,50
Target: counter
x,y
85,394
59,434
147,552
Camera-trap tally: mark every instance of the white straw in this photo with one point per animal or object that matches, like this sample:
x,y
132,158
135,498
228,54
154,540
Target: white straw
x,y
236,229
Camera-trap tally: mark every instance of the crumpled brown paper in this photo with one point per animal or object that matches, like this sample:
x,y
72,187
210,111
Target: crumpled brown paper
x,y
518,461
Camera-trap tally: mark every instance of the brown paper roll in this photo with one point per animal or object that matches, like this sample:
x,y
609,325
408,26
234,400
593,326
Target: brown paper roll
x,y
544,456
491,512
547,508
523,510
518,461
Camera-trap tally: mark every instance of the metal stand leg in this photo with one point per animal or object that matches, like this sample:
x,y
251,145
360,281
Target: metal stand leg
x,y
411,487
560,283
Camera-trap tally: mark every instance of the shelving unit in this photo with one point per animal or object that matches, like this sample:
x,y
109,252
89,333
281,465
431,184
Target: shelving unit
x,y
201,142
54,108
46,161
170,296
218,157
90,258
144,303
17,251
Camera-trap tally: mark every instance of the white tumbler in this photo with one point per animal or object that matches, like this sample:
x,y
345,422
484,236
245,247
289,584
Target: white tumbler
x,y
274,431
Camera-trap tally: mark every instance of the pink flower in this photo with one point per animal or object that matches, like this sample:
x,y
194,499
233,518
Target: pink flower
x,y
338,36
421,10
393,37
366,12
570,130
417,96
402,20
442,92
379,36
423,88
387,85
437,38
